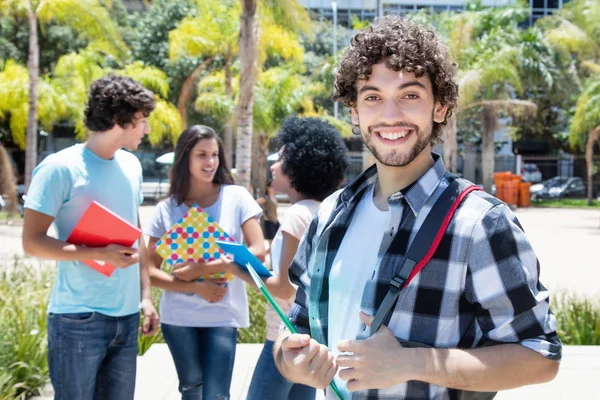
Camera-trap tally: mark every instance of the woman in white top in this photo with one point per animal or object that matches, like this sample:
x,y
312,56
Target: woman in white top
x,y
312,164
200,318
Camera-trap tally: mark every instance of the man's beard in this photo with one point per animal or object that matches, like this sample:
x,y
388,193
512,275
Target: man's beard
x,y
393,158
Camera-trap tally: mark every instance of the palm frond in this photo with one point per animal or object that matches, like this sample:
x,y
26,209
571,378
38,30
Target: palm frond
x,y
275,40
165,122
587,114
87,17
213,31
150,77
568,39
288,13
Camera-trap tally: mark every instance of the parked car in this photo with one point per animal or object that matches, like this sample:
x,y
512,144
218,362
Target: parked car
x,y
531,173
558,187
155,189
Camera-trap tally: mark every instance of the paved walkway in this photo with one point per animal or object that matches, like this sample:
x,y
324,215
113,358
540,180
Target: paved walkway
x,y
576,379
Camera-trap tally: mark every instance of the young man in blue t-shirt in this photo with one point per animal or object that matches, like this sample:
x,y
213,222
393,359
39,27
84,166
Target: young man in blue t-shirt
x,y
93,319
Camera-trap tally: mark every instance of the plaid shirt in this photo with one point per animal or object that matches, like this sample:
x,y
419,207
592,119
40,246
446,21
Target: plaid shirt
x,y
480,287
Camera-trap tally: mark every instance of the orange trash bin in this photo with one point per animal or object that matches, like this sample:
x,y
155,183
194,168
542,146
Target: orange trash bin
x,y
524,194
510,192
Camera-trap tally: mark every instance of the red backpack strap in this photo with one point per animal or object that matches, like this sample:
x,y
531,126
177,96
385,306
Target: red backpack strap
x,y
424,245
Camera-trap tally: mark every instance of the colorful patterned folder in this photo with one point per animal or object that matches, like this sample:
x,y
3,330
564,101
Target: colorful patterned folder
x,y
192,239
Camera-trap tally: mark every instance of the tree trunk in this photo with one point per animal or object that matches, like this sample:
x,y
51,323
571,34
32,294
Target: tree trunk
x,y
187,89
259,163
228,129
488,126
33,66
8,181
450,147
247,54
589,162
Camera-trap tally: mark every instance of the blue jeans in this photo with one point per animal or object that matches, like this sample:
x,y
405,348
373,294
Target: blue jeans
x,y
203,358
268,383
92,355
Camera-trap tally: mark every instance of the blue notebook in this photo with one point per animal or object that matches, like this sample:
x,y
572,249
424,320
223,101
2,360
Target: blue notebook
x,y
241,256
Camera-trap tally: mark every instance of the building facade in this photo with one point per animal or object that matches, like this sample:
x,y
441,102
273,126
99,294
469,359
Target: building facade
x,y
367,9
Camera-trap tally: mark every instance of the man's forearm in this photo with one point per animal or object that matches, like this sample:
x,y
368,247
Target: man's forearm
x,y
488,369
146,287
53,249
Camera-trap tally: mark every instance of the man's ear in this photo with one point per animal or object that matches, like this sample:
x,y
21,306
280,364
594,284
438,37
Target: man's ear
x,y
439,112
354,116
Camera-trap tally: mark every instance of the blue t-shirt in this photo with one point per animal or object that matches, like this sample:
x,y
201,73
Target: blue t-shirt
x,y
63,187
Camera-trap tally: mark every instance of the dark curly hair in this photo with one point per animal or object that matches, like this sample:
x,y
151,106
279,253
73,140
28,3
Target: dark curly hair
x,y
314,156
180,171
404,46
115,99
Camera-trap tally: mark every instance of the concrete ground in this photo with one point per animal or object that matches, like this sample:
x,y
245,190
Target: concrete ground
x,y
157,379
564,240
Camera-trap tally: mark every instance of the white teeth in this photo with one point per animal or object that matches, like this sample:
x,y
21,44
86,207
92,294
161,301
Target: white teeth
x,y
393,135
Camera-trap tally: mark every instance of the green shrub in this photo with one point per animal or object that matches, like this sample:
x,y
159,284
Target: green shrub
x,y
257,332
24,292
578,319
145,342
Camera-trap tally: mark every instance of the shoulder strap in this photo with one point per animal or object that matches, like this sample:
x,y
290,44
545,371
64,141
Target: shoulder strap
x,y
424,244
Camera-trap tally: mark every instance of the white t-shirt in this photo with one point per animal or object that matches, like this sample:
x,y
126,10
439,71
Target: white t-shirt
x,y
297,219
354,264
233,207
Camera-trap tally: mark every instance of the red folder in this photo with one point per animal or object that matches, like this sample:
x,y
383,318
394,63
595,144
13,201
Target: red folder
x,y
99,227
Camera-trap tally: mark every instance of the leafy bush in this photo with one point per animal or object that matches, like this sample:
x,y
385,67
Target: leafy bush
x,y
578,319
145,342
24,292
257,332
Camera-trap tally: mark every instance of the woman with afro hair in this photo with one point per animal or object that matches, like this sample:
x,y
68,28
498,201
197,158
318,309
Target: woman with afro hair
x,y
311,166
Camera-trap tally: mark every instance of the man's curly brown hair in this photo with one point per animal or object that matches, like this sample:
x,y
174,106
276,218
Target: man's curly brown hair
x,y
404,46
115,99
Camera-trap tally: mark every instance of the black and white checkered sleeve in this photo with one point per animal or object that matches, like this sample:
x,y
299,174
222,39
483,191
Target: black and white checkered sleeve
x,y
502,284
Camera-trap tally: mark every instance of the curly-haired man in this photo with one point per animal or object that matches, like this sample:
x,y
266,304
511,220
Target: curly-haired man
x,y
476,318
93,319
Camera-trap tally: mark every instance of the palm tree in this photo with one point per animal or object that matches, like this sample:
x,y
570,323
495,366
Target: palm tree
x,y
575,35
287,13
214,32
89,17
221,30
8,181
585,127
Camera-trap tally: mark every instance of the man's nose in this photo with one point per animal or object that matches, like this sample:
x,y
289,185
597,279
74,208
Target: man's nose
x,y
392,112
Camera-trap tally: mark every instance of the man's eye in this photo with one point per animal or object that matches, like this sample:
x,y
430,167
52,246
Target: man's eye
x,y
412,96
371,98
